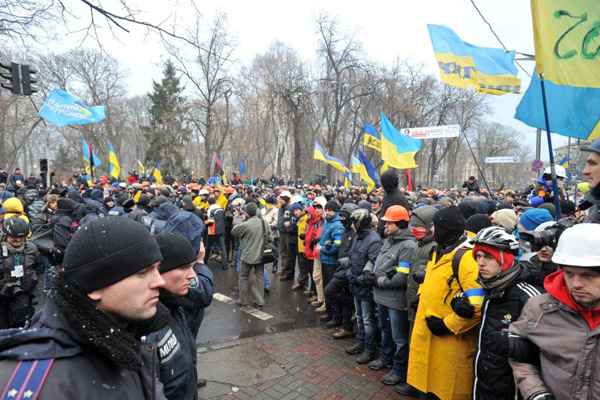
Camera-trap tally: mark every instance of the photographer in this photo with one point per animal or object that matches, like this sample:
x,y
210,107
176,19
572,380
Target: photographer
x,y
591,173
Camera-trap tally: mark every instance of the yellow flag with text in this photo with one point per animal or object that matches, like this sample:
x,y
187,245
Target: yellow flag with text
x,y
567,41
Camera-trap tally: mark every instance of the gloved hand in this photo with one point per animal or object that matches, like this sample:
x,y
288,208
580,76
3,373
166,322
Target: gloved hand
x,y
344,262
367,279
437,327
418,276
301,236
390,274
542,396
314,242
462,306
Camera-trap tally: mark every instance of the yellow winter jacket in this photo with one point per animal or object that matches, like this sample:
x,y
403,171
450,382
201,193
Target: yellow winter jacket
x,y
302,225
443,365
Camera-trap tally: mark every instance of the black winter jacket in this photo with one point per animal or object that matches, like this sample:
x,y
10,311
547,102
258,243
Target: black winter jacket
x,y
176,348
77,372
493,375
365,248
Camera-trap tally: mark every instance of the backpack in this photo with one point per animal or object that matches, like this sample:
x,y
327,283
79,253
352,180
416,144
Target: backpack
x,y
460,252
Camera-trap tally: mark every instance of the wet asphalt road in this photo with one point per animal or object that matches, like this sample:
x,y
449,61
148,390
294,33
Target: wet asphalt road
x,y
224,321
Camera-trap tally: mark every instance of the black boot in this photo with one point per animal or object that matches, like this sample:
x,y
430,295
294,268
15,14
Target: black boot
x,y
406,390
354,350
365,357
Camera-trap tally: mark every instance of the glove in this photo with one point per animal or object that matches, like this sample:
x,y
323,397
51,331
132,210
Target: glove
x,y
314,242
367,279
437,327
462,306
344,262
418,276
541,396
390,274
301,236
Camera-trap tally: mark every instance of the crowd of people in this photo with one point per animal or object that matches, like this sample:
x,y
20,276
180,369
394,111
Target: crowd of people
x,y
456,293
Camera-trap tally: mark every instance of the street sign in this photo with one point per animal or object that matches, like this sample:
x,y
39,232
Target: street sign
x,y
501,160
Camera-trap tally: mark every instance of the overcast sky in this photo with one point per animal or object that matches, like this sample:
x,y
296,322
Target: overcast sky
x,y
387,30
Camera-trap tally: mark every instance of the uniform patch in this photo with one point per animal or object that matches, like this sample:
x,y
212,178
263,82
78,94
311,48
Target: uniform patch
x,y
167,346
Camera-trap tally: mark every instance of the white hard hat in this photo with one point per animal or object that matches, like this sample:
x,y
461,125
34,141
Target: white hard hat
x,y
203,192
561,172
578,246
285,193
238,202
320,201
296,199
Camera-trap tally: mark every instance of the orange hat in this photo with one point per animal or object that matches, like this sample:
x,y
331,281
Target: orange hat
x,y
396,214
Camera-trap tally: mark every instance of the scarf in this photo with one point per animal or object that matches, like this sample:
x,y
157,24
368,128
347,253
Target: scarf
x,y
104,334
498,284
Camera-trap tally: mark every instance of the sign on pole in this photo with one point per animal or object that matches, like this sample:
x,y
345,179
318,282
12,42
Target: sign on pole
x,y
433,132
501,160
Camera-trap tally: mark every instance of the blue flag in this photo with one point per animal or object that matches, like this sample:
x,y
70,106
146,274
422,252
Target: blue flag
x,y
572,111
85,150
243,168
62,109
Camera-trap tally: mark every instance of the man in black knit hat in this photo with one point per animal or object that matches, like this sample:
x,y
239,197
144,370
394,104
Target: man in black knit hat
x,y
89,340
176,345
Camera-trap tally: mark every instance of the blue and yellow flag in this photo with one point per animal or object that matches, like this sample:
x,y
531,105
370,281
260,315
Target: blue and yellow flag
x,y
487,70
113,161
397,150
156,174
371,137
370,169
347,180
567,56
320,155
363,167
142,168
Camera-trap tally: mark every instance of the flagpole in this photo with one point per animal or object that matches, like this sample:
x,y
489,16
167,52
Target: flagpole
x,y
91,162
550,150
479,168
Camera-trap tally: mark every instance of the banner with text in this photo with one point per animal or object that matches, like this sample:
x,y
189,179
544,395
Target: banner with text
x,y
433,132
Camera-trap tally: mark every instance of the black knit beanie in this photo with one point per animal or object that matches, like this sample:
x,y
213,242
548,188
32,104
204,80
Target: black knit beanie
x,y
332,205
477,222
449,225
107,250
176,251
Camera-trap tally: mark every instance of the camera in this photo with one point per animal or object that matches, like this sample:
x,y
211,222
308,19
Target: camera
x,y
547,237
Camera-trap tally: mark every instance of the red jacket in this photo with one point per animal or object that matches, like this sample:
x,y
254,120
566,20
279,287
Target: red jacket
x,y
555,285
313,233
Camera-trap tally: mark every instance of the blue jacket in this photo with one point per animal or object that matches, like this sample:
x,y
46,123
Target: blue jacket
x,y
330,241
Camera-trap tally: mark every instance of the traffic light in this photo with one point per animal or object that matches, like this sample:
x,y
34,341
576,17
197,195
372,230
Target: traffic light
x,y
27,80
43,165
12,74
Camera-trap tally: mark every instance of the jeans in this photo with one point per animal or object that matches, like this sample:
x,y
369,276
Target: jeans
x,y
216,242
394,338
367,323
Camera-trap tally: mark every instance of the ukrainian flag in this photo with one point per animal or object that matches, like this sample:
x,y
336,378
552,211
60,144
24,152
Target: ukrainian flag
x,y
113,161
367,172
397,150
403,267
156,174
142,168
371,137
320,155
475,296
487,70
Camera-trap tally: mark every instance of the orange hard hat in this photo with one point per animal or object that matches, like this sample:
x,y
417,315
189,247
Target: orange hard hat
x,y
396,214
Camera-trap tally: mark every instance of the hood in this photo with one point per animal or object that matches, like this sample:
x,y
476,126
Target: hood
x,y
555,285
48,337
402,234
165,210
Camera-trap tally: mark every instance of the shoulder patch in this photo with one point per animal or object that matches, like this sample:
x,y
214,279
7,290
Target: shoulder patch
x,y
167,346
